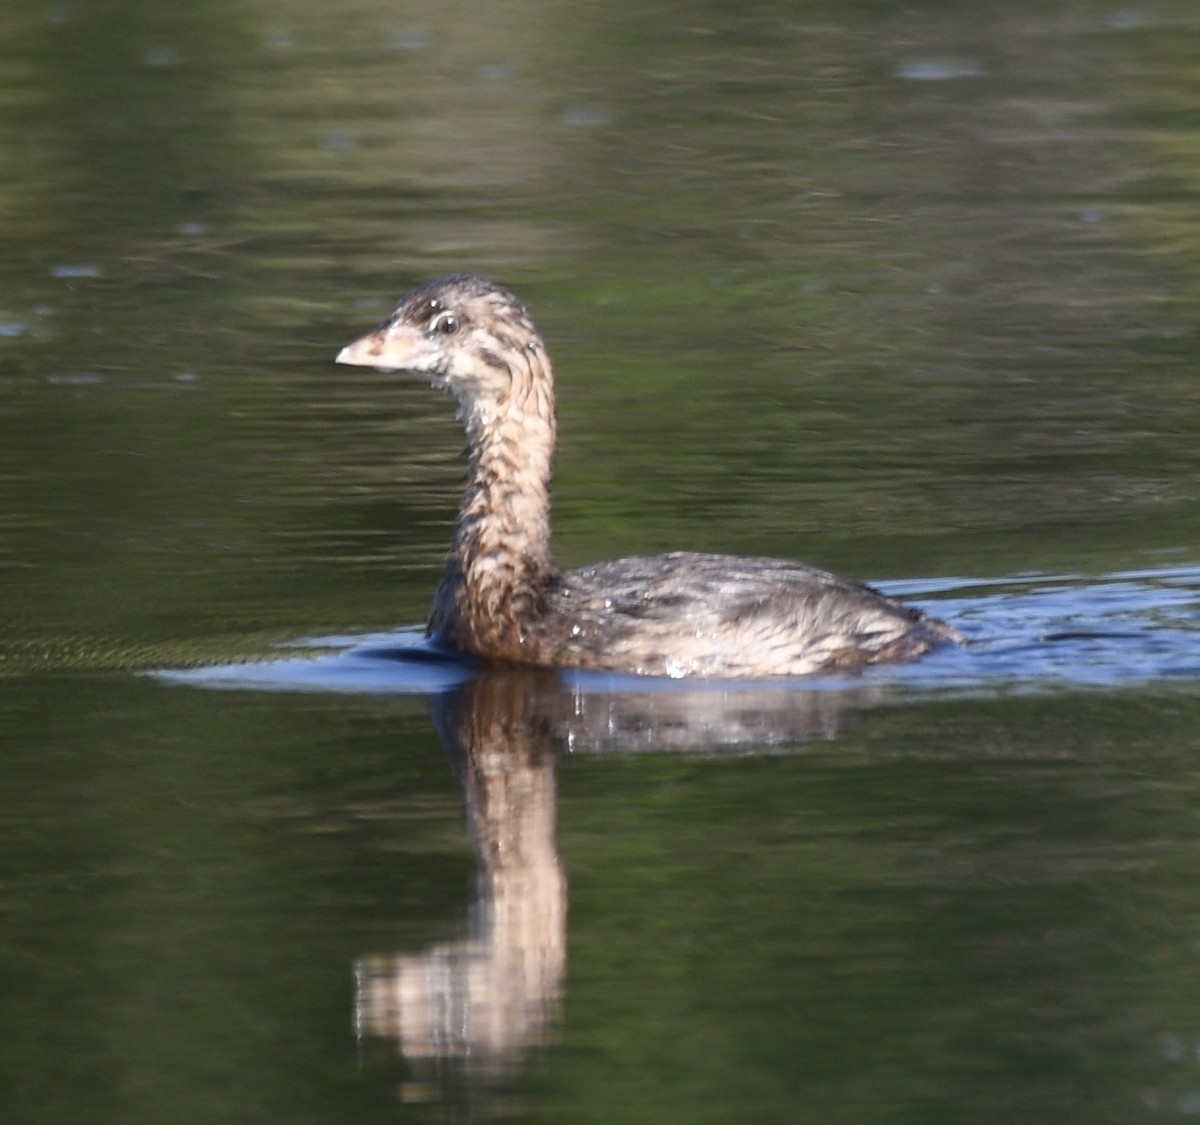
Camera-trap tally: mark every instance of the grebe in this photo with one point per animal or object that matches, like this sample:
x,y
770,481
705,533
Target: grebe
x,y
502,598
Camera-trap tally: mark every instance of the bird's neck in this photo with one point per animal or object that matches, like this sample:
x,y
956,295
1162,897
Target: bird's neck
x,y
502,539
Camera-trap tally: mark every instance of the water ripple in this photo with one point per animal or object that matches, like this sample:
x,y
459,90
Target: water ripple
x,y
1025,633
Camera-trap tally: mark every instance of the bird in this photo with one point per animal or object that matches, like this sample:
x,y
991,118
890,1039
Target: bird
x,y
503,599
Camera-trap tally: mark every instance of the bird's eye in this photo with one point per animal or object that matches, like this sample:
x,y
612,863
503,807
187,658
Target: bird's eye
x,y
445,324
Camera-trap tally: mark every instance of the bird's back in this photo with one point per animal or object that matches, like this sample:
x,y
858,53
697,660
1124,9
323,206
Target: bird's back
x,y
686,614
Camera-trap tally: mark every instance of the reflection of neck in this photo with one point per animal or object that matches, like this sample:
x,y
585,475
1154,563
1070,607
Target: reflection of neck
x,y
522,894
488,998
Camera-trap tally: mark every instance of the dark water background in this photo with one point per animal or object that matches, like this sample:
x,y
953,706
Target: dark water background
x,y
908,291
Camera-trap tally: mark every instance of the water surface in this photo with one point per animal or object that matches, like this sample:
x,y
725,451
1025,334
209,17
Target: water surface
x,y
906,292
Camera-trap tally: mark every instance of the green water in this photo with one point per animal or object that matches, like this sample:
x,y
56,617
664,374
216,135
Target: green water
x,y
908,292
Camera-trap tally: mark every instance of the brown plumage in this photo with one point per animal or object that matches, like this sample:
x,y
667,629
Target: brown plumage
x,y
502,598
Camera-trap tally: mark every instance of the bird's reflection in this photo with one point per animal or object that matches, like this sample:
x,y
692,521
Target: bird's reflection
x,y
484,1001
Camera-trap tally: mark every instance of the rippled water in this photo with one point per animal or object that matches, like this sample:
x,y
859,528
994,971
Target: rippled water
x,y
906,292
1029,634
